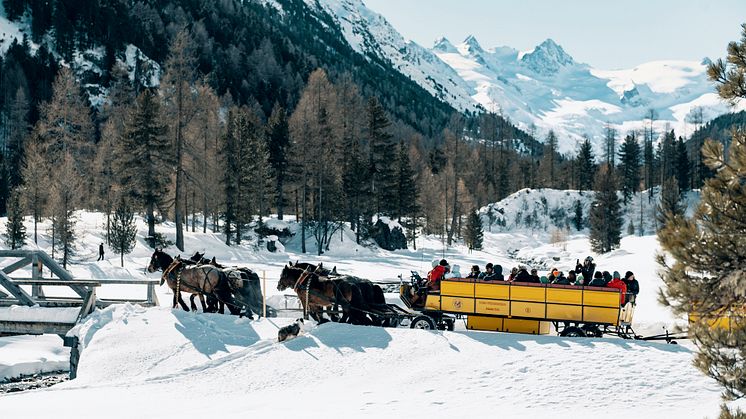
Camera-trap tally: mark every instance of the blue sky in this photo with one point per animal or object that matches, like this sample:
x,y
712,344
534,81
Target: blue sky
x,y
605,34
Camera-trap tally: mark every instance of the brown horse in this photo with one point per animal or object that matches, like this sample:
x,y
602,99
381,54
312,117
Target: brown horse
x,y
197,280
312,284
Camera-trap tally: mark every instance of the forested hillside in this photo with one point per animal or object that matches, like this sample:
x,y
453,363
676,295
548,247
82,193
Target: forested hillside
x,y
229,111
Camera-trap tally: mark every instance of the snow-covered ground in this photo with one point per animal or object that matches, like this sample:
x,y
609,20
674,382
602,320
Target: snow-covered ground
x,y
163,363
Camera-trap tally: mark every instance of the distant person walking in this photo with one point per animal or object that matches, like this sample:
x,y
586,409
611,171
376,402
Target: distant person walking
x,y
100,252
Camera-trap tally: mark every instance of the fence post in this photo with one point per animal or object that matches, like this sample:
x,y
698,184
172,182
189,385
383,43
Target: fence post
x,y
264,294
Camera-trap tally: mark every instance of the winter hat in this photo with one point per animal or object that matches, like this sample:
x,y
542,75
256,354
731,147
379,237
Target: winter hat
x,y
616,275
499,269
443,262
598,275
435,262
489,265
544,280
628,274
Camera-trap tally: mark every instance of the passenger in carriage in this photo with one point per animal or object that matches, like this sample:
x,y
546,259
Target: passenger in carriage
x,y
487,271
474,274
435,275
513,273
559,278
580,281
572,278
455,273
607,277
587,268
617,283
535,276
633,287
597,281
523,276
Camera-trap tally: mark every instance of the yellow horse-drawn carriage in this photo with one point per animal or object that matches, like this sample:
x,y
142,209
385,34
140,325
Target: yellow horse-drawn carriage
x,y
521,308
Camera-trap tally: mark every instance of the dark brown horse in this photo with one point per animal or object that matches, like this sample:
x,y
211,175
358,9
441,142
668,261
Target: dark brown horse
x,y
312,283
244,284
198,280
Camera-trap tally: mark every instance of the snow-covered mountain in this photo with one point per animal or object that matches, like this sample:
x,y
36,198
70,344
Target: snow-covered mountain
x,y
545,86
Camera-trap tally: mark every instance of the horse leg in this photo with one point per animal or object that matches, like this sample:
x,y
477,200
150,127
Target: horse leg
x,y
181,301
191,302
202,302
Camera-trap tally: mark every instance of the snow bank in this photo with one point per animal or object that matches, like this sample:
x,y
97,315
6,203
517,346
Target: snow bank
x,y
135,360
27,355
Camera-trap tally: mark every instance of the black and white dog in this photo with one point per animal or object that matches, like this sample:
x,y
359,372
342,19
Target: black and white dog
x,y
290,331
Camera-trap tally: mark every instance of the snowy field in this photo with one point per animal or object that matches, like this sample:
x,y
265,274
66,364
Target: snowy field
x,y
168,363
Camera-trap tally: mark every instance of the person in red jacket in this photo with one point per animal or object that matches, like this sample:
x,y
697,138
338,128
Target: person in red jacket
x,y
434,276
617,283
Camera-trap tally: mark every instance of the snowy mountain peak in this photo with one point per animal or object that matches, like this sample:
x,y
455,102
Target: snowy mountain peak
x,y
442,44
547,58
472,45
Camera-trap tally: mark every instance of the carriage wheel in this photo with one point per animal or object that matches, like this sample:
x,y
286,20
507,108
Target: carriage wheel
x,y
592,331
450,324
423,322
572,332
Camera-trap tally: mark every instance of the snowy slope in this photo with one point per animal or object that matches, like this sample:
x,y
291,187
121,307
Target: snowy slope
x,y
370,34
216,365
545,86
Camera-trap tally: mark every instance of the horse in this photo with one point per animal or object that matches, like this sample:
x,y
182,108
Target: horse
x,y
185,275
244,284
311,283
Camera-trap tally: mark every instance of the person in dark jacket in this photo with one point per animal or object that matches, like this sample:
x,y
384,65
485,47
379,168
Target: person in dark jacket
x,y
498,275
572,277
633,287
535,276
597,281
523,276
513,273
560,279
607,277
587,269
488,270
474,272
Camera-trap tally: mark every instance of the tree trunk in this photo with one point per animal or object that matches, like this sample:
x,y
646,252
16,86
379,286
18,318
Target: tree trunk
x,y
194,218
178,210
121,258
151,225
280,199
303,220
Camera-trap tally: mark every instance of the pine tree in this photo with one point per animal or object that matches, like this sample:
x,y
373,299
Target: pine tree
x,y
605,216
549,165
629,166
279,140
670,204
15,231
682,165
123,229
474,231
577,219
144,160
709,264
382,158
609,145
406,187
709,250
177,84
586,165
